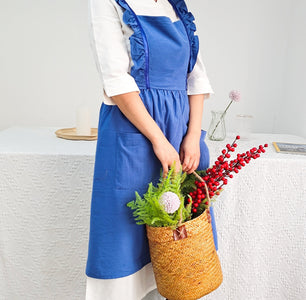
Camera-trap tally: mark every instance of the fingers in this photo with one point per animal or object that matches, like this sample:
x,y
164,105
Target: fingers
x,y
190,163
194,166
178,166
167,166
187,163
165,169
181,155
167,154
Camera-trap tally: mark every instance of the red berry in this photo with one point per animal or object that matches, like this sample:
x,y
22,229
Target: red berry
x,y
235,145
199,201
230,175
223,151
194,210
221,158
206,203
188,200
266,145
238,137
196,205
227,155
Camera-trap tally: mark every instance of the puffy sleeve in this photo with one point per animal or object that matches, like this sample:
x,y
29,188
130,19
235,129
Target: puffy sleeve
x,y
109,48
197,80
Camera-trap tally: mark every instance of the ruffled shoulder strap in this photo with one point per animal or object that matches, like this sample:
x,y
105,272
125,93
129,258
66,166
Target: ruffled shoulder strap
x,y
139,41
188,18
138,46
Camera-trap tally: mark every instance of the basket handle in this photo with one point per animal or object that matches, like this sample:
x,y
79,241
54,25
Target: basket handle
x,y
207,193
206,188
180,231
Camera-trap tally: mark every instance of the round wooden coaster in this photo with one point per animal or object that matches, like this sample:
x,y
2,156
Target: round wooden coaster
x,y
70,134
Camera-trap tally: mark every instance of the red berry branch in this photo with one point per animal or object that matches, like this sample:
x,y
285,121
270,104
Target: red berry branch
x,y
217,176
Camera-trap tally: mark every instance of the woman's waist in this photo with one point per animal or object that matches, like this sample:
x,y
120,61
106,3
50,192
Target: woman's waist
x,y
174,80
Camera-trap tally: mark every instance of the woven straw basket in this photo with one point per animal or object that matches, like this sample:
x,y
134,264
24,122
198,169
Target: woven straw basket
x,y
188,268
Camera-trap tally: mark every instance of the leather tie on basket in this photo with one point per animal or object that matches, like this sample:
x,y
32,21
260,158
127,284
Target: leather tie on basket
x,y
179,233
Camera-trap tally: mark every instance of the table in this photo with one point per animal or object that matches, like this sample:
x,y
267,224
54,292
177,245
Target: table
x,y
261,224
45,190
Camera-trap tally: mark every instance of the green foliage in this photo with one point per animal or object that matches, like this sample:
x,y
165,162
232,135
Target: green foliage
x,y
188,184
147,210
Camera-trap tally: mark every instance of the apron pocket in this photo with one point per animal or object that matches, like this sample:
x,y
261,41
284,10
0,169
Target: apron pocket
x,y
105,161
136,163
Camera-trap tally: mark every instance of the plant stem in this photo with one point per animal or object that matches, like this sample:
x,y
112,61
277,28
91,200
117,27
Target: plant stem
x,y
221,118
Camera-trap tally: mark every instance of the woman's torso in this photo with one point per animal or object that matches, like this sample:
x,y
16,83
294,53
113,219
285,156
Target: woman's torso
x,y
161,11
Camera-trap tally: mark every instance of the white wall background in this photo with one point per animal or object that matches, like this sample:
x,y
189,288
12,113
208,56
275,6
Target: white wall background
x,y
258,47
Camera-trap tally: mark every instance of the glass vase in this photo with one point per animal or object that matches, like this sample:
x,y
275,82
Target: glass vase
x,y
217,131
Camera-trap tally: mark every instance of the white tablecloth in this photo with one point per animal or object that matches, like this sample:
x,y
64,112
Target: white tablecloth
x,y
45,190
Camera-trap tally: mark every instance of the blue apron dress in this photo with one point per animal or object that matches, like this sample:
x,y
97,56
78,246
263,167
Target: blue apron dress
x,y
163,52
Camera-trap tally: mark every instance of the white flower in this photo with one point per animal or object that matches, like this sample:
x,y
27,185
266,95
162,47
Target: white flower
x,y
235,95
170,202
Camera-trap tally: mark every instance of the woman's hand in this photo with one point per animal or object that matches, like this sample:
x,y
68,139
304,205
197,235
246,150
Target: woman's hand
x,y
190,146
133,108
166,154
190,152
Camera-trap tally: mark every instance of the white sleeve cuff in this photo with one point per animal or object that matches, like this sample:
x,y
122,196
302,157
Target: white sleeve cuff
x,y
120,85
199,86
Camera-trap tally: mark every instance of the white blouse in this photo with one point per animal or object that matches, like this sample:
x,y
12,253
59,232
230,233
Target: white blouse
x,y
109,40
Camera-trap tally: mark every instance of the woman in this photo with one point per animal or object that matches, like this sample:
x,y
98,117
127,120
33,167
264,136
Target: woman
x,y
154,84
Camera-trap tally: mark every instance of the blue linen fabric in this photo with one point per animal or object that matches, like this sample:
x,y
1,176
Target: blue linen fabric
x,y
163,53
